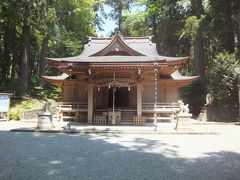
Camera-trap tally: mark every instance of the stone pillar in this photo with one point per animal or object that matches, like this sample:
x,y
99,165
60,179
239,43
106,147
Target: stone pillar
x,y
139,99
90,103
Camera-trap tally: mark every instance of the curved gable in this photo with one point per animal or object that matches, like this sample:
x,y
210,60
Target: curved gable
x,y
117,47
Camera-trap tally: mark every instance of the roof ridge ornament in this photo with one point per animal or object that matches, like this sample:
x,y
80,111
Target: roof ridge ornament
x,y
118,32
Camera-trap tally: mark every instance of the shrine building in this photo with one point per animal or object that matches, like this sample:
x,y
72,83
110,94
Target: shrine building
x,y
119,80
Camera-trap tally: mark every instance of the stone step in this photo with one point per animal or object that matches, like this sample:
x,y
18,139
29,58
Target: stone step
x,y
126,123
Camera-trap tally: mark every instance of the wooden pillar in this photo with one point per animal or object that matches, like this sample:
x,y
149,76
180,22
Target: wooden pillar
x,y
90,103
139,99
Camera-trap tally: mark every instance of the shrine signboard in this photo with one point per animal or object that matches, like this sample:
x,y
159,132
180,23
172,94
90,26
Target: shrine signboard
x,y
4,103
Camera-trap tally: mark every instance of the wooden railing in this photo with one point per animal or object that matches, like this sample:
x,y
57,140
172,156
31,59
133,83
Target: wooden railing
x,y
165,112
99,119
160,107
72,106
71,110
139,120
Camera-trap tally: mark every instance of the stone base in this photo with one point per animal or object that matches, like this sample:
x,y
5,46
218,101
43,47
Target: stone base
x,y
44,122
183,119
184,116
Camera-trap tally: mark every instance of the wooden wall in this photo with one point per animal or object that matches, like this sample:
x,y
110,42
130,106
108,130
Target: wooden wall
x,y
82,94
165,94
69,91
171,94
101,98
78,93
75,92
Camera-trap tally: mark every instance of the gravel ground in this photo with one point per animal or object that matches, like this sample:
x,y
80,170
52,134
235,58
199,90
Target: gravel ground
x,y
25,155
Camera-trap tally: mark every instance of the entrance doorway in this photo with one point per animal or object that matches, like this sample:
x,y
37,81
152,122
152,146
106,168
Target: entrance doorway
x,y
121,97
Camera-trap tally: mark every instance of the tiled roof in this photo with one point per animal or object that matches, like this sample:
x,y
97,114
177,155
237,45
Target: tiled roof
x,y
142,45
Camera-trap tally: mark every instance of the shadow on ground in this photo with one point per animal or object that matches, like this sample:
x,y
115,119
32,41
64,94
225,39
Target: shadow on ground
x,y
61,156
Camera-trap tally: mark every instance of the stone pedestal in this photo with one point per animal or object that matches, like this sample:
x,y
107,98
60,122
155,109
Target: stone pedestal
x,y
45,121
183,119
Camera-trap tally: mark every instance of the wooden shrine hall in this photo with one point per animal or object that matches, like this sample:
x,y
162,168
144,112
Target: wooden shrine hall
x,y
119,80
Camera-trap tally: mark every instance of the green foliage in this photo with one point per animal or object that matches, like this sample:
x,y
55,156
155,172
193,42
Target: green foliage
x,y
66,24
223,23
192,24
47,91
166,19
117,12
74,23
52,92
194,95
26,105
15,115
201,30
224,81
135,24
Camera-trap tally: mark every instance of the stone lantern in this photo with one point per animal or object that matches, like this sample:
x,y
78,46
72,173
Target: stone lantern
x,y
45,118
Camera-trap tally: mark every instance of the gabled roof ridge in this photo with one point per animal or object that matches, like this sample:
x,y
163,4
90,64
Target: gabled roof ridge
x,y
98,38
120,38
127,37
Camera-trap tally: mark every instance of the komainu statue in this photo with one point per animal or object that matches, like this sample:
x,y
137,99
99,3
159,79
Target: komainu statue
x,y
46,107
183,108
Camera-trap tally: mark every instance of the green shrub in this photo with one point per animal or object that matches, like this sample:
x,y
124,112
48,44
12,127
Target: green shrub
x,y
15,115
26,105
46,92
224,82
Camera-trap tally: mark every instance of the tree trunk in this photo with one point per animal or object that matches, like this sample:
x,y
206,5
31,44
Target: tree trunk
x,y
120,8
14,52
42,57
154,27
238,43
24,72
197,9
228,36
199,57
1,62
7,52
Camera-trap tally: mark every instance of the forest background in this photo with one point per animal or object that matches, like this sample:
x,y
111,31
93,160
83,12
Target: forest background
x,y
207,31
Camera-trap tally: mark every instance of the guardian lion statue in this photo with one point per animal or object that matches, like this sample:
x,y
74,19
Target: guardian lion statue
x,y
183,108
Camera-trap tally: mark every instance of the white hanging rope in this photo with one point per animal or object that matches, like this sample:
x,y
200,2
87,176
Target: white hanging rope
x,y
116,83
114,89
155,95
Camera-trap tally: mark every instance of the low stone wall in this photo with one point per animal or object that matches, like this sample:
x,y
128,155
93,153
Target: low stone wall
x,y
33,114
